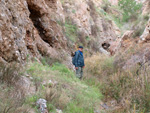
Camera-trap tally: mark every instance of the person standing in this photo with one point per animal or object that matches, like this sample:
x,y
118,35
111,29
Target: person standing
x,y
78,61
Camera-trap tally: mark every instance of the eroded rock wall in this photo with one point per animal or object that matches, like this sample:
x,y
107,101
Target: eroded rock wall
x,y
146,34
26,28
29,28
89,22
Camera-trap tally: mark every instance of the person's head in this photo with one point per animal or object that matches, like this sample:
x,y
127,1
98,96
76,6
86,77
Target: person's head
x,y
80,48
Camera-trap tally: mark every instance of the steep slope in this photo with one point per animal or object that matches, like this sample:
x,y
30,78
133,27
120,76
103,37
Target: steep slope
x,y
26,28
34,29
48,30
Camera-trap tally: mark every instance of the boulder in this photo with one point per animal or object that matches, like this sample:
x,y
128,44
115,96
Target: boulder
x,y
41,104
127,35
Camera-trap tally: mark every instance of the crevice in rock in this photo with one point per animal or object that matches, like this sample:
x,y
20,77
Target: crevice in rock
x,y
105,45
35,16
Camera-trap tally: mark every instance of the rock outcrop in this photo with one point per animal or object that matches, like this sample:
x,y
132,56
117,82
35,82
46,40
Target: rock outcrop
x,y
146,35
85,16
30,28
146,7
26,28
140,59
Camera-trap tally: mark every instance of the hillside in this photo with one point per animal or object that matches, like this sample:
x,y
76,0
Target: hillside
x,y
37,39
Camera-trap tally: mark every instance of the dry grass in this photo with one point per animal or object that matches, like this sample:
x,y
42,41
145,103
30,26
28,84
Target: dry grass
x,y
10,103
12,95
10,73
129,90
66,92
100,65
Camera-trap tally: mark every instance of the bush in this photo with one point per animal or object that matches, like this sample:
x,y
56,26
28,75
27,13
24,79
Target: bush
x,y
131,9
100,65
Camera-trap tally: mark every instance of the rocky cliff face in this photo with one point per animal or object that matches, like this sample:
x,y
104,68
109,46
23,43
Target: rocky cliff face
x,y
30,27
89,22
26,28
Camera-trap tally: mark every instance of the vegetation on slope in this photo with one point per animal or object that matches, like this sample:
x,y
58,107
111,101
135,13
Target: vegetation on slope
x,y
65,92
127,15
59,86
129,89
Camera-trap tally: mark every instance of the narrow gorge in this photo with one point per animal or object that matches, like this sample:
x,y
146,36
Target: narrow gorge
x,y
37,38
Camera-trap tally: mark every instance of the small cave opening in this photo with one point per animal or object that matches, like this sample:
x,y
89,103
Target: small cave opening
x,y
105,45
35,16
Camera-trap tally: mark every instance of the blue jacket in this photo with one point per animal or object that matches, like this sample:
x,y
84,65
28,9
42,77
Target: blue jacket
x,y
79,59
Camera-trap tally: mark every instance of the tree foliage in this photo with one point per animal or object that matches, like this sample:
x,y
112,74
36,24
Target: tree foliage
x,y
131,9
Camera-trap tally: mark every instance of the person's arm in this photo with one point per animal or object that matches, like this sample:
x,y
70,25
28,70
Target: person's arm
x,y
76,59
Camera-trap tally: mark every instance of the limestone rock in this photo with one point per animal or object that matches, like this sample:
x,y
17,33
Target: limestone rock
x,y
26,28
41,104
58,111
115,46
84,15
146,7
127,35
30,28
146,35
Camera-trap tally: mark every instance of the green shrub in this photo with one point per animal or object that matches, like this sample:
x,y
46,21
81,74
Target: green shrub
x,y
131,9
